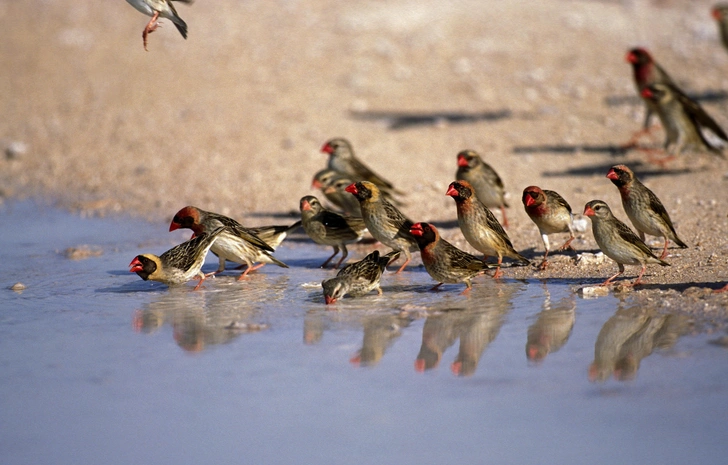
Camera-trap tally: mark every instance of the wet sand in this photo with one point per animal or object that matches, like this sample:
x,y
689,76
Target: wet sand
x,y
233,118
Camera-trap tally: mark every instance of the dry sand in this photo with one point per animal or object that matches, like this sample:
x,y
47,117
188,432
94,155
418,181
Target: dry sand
x,y
232,119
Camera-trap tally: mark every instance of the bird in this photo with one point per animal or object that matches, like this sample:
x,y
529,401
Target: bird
x,y
343,160
157,9
720,14
383,220
237,243
551,213
179,264
484,180
275,234
643,208
443,261
683,120
329,228
359,278
646,72
618,242
333,184
480,227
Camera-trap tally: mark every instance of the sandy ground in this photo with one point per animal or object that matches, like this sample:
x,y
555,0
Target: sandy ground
x,y
232,119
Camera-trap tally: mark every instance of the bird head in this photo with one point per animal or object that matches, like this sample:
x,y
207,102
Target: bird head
x,y
143,265
334,289
467,159
424,233
460,190
620,175
639,57
597,209
717,13
189,218
363,190
338,146
309,203
533,196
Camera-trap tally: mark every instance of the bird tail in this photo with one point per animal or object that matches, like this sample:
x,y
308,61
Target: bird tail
x,y
275,261
680,243
181,26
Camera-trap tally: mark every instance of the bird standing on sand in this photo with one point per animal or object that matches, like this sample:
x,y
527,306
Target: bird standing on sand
x,y
384,221
443,261
551,213
643,208
683,120
618,242
480,227
333,185
343,160
720,14
157,9
179,264
646,72
484,180
329,228
237,243
358,279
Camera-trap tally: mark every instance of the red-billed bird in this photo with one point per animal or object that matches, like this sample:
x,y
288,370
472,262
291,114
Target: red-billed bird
x,y
552,215
443,261
480,228
484,180
618,242
359,278
179,264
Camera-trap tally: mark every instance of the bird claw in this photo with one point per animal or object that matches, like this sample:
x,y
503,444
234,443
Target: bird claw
x,y
544,264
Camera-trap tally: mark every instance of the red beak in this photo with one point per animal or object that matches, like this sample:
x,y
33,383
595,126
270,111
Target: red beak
x,y
305,206
329,300
452,192
612,175
416,229
173,226
528,200
135,265
462,162
716,14
631,58
351,188
647,93
316,184
588,211
327,148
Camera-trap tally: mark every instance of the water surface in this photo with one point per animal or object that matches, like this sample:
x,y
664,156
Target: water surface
x,y
98,366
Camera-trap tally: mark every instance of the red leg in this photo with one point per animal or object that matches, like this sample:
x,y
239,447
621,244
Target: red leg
x,y
505,219
722,289
639,278
664,251
608,281
150,27
567,244
403,265
498,272
199,283
336,250
434,288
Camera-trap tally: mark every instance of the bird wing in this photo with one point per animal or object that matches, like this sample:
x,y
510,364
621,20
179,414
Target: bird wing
x,y
461,259
238,230
557,199
362,170
186,254
699,116
631,238
657,207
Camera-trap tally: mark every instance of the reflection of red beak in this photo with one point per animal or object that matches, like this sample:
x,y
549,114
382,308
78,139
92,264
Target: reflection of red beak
x,y
631,58
529,200
355,360
456,368
588,211
451,191
420,365
416,229
462,162
135,265
612,175
173,226
351,188
329,300
647,93
327,148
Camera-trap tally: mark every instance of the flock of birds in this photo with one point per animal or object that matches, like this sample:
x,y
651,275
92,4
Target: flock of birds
x,y
369,203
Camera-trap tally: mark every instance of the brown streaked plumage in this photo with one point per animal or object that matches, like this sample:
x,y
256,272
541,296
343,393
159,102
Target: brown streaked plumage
x,y
384,221
480,228
179,264
443,261
643,208
488,186
551,214
359,278
683,120
618,242
329,228
237,243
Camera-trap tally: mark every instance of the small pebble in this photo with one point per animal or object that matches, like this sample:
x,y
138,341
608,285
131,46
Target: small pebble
x,y
592,292
18,287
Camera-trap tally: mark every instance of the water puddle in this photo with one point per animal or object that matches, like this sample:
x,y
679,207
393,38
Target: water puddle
x,y
98,366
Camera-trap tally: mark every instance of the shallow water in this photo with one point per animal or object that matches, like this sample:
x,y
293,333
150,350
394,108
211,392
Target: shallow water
x,y
98,366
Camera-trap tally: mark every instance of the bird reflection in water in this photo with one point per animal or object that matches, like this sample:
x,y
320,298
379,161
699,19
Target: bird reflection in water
x,y
630,335
476,323
552,327
200,319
